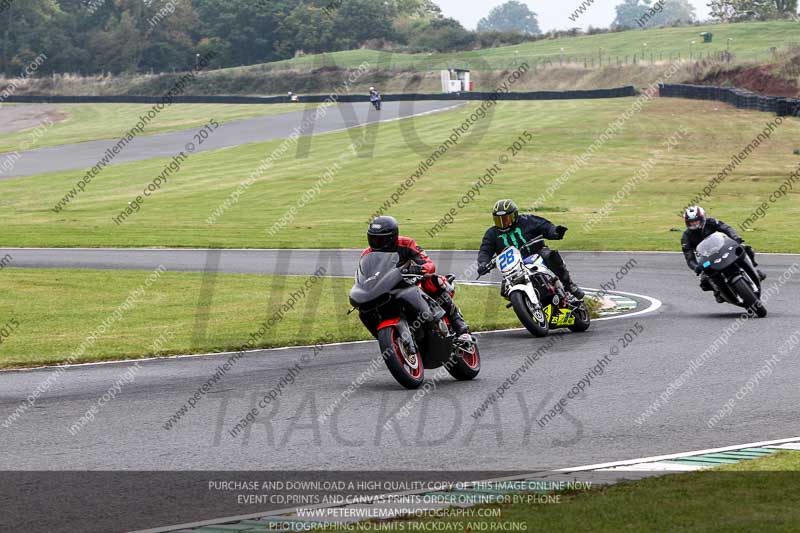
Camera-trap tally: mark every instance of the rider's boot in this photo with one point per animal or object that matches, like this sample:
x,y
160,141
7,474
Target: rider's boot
x,y
460,326
571,286
576,291
568,284
705,284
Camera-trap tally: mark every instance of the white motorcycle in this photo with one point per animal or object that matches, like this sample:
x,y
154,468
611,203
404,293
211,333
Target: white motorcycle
x,y
536,294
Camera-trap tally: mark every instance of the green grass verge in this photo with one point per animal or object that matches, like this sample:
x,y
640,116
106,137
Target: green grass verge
x,y
55,310
646,219
757,495
750,40
92,122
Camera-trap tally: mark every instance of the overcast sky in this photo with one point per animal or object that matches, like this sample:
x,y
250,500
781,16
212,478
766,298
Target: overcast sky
x,y
553,14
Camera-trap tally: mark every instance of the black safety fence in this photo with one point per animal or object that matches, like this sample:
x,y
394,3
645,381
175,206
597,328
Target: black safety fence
x,y
617,92
741,98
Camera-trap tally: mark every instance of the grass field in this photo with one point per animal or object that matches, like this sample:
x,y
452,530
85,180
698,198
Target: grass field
x,y
50,313
750,40
91,122
756,495
335,217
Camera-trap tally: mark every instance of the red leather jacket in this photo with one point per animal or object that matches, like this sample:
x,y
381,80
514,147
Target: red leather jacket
x,y
409,251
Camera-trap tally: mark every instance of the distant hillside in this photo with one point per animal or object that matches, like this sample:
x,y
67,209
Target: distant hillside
x,y
750,40
754,67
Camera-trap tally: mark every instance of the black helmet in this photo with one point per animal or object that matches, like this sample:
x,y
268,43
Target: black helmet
x,y
505,213
695,217
382,234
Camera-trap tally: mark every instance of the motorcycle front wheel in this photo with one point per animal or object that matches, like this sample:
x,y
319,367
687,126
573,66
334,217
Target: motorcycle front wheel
x,y
465,363
406,367
751,301
533,319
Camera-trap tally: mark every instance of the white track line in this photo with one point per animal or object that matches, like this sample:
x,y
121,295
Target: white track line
x,y
365,124
423,114
655,305
656,458
531,475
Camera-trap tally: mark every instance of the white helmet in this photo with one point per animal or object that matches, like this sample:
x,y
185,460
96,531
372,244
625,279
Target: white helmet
x,y
695,217
372,88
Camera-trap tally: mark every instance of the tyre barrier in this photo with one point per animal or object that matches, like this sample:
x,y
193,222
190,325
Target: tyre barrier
x,y
741,98
618,92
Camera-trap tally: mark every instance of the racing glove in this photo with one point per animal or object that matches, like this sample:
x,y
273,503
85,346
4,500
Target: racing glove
x,y
560,231
414,269
484,268
698,269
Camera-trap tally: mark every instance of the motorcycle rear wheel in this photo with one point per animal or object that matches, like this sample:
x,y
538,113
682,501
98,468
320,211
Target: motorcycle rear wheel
x,y
524,311
405,367
582,318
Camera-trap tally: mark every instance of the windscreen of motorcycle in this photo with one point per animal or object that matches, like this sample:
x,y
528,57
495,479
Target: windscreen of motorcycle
x,y
509,259
374,265
712,245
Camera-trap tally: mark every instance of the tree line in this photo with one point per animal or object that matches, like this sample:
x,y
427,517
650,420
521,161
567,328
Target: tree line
x,y
746,10
120,36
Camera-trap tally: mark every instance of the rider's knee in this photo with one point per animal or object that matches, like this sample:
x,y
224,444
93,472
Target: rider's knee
x,y
554,258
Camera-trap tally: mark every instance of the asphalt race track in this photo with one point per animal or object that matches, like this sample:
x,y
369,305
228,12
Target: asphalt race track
x,y
86,155
440,431
603,423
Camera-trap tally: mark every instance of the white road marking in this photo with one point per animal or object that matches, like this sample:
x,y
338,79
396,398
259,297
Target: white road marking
x,y
657,458
521,477
655,304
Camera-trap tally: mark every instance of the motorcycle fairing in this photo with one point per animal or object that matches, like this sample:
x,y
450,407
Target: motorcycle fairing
x,y
726,260
718,251
564,317
376,276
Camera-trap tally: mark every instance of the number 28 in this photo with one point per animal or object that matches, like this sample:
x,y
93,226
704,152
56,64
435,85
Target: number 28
x,y
507,258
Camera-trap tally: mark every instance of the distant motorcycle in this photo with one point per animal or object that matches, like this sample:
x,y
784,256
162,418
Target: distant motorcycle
x,y
536,294
409,340
731,272
375,98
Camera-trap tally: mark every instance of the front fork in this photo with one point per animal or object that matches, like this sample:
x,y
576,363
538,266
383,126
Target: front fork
x,y
752,272
465,345
746,268
533,298
526,287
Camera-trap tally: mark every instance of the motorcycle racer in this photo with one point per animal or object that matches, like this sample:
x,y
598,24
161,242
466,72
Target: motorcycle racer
x,y
383,235
512,229
375,98
698,227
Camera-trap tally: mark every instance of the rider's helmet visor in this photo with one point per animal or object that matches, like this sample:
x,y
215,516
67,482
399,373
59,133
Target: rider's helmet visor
x,y
504,221
382,243
694,224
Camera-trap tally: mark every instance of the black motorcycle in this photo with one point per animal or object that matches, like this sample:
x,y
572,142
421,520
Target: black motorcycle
x,y
413,331
731,272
